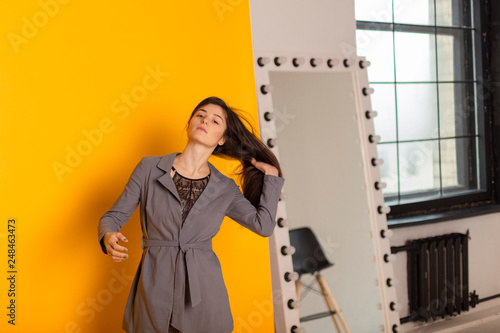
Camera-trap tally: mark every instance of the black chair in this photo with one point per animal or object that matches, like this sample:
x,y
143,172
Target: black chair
x,y
309,258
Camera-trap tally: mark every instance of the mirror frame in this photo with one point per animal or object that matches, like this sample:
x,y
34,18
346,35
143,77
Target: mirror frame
x,y
284,296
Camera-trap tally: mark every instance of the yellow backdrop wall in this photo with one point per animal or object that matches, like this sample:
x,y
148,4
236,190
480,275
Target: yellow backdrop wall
x,y
87,88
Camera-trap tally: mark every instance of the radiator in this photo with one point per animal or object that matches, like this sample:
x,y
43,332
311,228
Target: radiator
x,y
438,276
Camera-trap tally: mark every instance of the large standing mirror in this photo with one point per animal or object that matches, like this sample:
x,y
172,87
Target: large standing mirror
x,y
318,138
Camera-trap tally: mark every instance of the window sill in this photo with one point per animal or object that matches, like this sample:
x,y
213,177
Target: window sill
x,y
442,216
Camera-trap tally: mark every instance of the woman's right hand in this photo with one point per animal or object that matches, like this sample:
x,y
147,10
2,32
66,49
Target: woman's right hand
x,y
113,248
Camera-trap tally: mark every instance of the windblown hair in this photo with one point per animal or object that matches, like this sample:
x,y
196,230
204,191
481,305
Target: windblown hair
x,y
242,144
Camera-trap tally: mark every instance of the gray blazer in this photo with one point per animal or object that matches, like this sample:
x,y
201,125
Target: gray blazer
x,y
179,276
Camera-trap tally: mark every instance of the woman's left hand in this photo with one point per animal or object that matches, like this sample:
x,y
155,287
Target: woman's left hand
x,y
267,169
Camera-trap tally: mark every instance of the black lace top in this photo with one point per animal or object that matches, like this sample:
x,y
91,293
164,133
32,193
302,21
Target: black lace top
x,y
189,190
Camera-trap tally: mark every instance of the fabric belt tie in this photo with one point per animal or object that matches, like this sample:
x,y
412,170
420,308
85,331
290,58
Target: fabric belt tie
x,y
184,265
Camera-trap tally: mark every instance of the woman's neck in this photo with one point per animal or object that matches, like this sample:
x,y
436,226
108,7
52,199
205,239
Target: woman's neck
x,y
193,161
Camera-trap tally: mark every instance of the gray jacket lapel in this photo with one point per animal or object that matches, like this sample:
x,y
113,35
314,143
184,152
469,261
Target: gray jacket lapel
x,y
165,164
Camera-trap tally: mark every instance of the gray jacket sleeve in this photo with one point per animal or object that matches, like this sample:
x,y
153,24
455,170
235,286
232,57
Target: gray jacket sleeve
x,y
119,214
263,220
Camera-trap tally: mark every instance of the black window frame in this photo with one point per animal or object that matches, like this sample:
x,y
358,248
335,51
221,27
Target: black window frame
x,y
470,204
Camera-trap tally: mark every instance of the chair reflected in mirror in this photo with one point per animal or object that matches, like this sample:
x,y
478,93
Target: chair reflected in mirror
x,y
309,258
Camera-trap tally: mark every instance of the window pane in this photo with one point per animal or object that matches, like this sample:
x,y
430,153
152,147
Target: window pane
x,y
454,58
417,111
377,47
423,72
373,10
419,166
384,102
389,169
415,57
456,104
414,12
453,13
455,165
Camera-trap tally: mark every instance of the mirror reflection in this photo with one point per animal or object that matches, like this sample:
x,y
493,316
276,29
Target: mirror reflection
x,y
321,157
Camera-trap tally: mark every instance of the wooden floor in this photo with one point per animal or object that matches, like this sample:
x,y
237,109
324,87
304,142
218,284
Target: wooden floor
x,y
491,326
485,320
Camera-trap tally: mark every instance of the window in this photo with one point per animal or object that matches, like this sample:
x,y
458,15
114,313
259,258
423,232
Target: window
x,y
425,68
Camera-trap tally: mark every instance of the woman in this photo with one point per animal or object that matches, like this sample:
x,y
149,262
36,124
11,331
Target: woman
x,y
183,199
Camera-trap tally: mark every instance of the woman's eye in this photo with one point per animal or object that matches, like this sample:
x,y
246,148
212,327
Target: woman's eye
x,y
215,121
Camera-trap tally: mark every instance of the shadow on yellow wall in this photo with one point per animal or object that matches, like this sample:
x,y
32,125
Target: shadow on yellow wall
x,y
87,88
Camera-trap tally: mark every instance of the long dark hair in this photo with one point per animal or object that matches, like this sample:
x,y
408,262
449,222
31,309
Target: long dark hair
x,y
242,144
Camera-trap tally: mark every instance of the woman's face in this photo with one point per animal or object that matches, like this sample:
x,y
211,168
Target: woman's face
x,y
207,125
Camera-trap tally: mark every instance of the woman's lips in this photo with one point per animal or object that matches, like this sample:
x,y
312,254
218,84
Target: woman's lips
x,y
201,128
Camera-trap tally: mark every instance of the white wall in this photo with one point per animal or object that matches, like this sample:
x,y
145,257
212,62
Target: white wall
x,y
312,26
